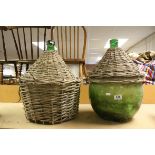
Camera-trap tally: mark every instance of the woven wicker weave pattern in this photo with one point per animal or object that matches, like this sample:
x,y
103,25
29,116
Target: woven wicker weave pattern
x,y
116,66
50,67
50,91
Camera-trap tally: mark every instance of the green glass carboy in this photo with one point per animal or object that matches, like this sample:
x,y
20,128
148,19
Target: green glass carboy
x,y
115,88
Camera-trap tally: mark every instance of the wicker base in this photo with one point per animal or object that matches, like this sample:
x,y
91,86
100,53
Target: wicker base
x,y
49,122
46,104
49,105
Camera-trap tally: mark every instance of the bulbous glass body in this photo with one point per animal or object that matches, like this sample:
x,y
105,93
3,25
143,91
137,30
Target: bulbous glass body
x,y
116,101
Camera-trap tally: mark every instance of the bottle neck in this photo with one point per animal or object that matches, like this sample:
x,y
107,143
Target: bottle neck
x,y
50,48
113,43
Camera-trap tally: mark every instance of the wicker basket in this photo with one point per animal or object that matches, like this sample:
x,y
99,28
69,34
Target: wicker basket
x,y
49,90
116,66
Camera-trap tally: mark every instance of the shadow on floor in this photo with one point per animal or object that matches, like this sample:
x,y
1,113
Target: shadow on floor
x,y
90,117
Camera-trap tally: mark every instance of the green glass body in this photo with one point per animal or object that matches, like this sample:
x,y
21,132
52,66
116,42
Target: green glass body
x,y
115,101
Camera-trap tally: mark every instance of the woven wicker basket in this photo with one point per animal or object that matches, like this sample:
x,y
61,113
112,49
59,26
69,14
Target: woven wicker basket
x,y
116,66
49,90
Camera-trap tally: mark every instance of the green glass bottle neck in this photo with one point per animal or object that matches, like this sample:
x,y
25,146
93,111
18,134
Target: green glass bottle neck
x,y
113,43
50,47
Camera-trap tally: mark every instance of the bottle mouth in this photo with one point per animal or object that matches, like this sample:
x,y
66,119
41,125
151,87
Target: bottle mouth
x,y
52,42
51,46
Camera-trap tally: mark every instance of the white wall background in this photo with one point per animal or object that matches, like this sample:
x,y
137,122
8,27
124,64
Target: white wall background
x,y
148,44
